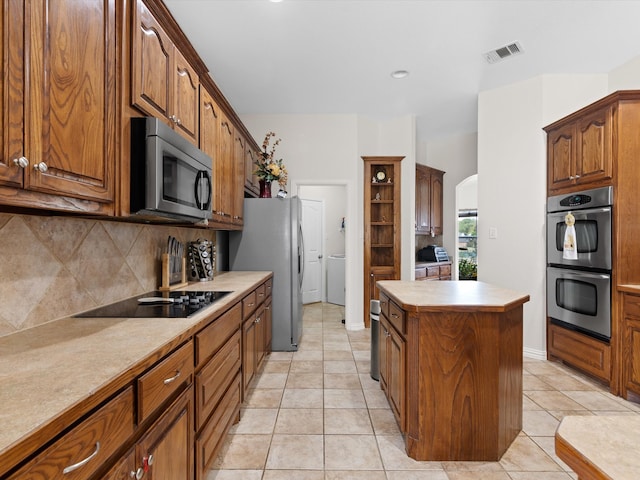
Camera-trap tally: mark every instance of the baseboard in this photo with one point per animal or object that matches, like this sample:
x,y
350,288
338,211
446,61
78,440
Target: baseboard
x,y
536,354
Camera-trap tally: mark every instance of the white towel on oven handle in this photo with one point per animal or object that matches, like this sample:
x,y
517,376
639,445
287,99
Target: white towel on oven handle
x,y
569,247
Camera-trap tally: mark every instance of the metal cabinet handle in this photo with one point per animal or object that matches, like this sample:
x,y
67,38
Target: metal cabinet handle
x,y
21,162
138,474
41,167
577,177
167,381
82,463
258,320
395,315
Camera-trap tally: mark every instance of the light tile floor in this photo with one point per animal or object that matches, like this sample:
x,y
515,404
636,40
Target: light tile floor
x,y
316,414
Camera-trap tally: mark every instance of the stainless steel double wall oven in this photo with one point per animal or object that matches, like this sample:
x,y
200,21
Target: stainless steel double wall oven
x,y
579,290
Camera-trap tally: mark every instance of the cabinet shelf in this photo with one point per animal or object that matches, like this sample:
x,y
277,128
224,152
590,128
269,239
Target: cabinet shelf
x,y
382,222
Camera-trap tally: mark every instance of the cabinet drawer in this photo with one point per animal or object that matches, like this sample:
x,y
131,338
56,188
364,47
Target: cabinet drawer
x,y
580,351
215,376
249,304
421,272
212,436
445,270
384,305
163,380
396,317
79,453
268,286
213,336
433,271
261,294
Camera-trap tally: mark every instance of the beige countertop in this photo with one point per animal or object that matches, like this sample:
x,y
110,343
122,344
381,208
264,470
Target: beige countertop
x,y
69,364
451,295
607,446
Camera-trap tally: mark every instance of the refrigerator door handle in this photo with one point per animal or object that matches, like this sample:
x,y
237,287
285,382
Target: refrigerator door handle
x,y
301,256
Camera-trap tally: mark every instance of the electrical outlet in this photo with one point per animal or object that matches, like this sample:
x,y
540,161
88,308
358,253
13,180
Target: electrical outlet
x,y
493,232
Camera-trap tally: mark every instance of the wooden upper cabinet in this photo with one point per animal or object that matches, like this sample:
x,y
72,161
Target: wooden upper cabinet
x,y
240,146
164,85
429,200
580,151
251,180
12,91
210,115
594,152
59,106
185,102
223,172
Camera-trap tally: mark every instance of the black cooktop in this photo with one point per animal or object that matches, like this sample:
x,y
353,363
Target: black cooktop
x,y
182,304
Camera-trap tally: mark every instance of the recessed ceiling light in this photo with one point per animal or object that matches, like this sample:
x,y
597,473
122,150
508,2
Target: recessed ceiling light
x,y
275,1
400,74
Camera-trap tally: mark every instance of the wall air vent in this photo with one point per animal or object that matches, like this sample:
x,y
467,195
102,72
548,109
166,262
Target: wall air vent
x,y
501,53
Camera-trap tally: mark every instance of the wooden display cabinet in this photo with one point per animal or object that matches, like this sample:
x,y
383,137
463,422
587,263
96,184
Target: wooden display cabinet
x,y
381,224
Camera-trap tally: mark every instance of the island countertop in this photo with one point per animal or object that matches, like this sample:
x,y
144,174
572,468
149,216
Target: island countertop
x,y
452,296
600,446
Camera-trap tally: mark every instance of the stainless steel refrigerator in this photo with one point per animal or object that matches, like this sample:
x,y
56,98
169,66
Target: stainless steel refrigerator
x,y
271,239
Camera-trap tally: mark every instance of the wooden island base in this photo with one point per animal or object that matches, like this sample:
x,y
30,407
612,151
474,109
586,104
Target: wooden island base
x,y
461,395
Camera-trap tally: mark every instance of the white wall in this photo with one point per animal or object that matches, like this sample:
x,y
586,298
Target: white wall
x,y
512,185
326,149
626,76
456,156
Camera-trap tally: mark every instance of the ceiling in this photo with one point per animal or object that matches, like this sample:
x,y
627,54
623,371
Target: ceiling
x,y
336,56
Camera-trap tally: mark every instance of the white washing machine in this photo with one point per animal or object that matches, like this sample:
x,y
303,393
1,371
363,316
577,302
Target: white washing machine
x,y
335,279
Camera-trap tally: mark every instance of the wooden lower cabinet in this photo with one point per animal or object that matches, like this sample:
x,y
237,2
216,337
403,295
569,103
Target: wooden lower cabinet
x,y
631,347
211,437
172,419
581,351
393,369
166,450
81,452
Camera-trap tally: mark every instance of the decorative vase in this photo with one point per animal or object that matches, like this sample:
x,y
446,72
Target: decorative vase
x,y
265,189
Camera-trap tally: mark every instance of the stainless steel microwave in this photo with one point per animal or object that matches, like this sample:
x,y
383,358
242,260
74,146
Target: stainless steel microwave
x,y
171,179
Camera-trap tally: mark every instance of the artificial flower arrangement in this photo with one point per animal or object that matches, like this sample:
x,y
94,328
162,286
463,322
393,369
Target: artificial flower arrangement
x,y
267,168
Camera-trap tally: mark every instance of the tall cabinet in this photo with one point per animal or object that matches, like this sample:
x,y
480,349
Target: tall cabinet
x,y
381,225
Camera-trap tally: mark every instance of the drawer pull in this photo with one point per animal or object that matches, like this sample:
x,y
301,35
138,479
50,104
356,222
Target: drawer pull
x,y
167,381
395,315
82,463
138,474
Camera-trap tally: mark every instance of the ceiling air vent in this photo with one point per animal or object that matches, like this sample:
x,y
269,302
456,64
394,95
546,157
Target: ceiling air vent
x,y
501,53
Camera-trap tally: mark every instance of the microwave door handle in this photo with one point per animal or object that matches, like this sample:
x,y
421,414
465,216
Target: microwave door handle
x,y
200,176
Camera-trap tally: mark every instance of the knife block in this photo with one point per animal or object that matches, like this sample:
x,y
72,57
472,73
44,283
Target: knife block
x,y
166,274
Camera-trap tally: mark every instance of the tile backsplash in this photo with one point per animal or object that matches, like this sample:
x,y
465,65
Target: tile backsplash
x,y
53,267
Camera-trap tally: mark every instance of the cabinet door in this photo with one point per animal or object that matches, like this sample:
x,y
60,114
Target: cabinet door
x,y
594,152
11,92
561,157
260,336
151,64
423,201
223,172
250,178
436,203
248,352
237,189
72,99
396,376
168,445
383,353
186,98
267,325
125,469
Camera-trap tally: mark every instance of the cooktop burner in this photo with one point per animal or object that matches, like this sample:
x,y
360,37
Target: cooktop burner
x,y
178,304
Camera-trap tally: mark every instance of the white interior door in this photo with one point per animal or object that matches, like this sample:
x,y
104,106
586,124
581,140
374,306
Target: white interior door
x,y
313,232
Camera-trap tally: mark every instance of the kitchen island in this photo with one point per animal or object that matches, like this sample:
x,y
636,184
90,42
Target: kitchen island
x,y
451,366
